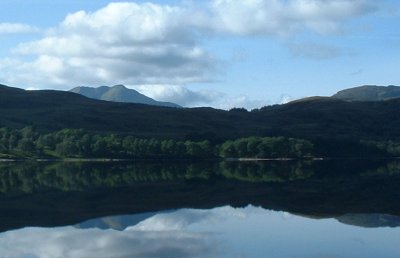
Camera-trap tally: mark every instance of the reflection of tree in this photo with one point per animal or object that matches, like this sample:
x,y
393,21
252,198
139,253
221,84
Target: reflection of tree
x,y
65,193
390,168
75,176
29,177
71,176
266,171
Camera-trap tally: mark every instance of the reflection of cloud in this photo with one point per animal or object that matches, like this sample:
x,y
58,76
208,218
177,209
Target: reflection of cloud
x,y
182,219
69,242
162,235
234,232
179,220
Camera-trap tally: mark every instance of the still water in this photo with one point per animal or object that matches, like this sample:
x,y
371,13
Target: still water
x,y
229,209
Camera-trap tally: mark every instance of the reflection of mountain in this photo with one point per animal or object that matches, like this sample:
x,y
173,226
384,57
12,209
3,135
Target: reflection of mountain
x,y
370,220
41,194
120,222
184,217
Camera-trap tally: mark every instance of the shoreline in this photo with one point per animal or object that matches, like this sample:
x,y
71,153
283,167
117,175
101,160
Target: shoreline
x,y
283,159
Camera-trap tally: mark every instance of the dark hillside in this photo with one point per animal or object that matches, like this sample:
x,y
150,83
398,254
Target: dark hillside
x,y
332,118
309,118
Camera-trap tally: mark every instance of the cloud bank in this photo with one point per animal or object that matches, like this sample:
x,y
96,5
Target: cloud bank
x,y
278,17
158,44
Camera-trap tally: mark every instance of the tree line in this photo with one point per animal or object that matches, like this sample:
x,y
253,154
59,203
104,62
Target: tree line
x,y
77,143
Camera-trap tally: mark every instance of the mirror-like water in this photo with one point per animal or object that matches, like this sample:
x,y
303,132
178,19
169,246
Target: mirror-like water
x,y
218,232
229,209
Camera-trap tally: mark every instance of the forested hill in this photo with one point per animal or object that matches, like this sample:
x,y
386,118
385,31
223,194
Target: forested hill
x,y
49,110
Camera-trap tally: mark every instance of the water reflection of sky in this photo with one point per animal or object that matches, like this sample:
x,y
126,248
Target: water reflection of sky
x,y
219,232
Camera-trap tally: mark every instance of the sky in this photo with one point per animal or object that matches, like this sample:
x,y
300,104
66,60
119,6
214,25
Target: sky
x,y
219,53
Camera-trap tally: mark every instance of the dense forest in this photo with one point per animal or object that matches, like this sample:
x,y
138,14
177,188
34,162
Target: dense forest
x,y
78,143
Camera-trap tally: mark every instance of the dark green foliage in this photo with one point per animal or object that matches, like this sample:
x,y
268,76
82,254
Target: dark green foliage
x,y
77,143
267,147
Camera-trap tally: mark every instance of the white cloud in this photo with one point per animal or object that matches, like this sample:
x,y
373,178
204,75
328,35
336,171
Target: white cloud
x,y
197,98
16,28
241,101
284,98
181,95
120,43
278,17
132,43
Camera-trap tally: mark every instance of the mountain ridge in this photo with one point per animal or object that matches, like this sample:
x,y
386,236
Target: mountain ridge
x,y
119,93
368,93
50,110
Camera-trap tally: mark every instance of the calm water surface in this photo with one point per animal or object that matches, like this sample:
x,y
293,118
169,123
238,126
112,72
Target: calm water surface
x,y
269,209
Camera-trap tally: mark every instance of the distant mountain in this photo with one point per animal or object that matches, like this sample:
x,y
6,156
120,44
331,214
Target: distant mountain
x,y
369,93
119,93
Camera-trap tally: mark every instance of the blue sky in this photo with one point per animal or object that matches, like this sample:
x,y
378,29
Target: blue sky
x,y
220,53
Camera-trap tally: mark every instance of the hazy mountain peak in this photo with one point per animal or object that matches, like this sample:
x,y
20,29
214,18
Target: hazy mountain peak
x,y
119,93
119,86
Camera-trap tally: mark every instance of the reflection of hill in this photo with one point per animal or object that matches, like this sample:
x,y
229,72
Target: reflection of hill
x,y
370,220
68,193
115,222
